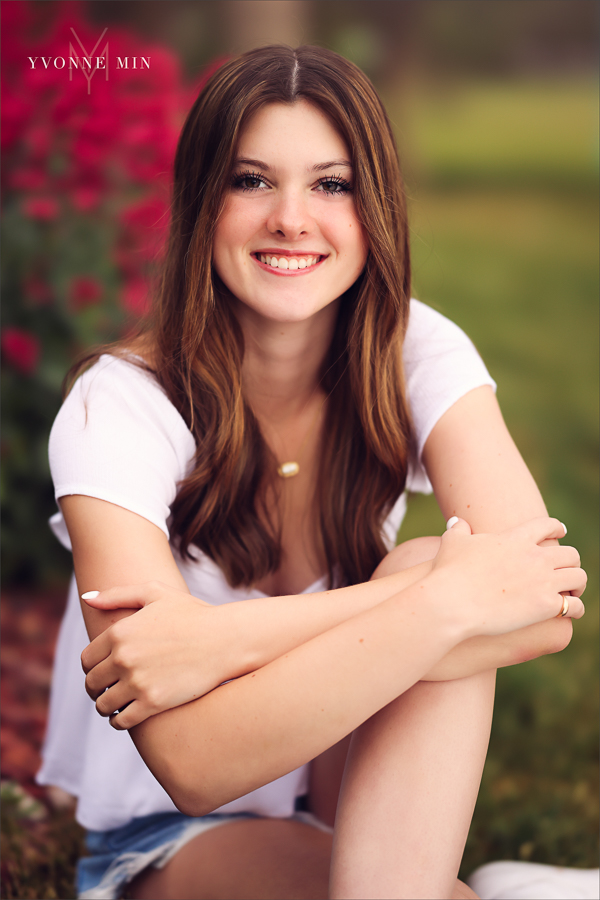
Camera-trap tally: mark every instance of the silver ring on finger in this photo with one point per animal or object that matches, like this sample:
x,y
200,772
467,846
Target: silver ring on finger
x,y
565,608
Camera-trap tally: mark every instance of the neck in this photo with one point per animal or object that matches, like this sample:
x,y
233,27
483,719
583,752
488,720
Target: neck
x,y
283,360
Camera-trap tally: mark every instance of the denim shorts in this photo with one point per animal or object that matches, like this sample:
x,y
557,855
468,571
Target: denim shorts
x,y
117,856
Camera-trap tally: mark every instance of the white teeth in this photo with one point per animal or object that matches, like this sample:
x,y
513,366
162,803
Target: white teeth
x,y
292,262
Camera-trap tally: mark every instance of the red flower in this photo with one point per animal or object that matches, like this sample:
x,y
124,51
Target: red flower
x,y
136,298
21,349
16,111
85,199
42,208
17,19
31,178
150,216
85,292
108,152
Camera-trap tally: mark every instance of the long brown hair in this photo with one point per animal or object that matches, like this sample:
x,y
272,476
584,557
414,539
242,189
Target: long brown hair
x,y
198,348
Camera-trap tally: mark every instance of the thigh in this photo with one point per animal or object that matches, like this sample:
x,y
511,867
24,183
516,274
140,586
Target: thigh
x,y
253,859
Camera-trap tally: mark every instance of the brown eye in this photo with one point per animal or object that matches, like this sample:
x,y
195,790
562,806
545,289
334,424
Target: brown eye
x,y
247,181
332,187
336,185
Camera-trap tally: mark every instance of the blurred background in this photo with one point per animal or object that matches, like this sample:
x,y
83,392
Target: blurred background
x,y
495,108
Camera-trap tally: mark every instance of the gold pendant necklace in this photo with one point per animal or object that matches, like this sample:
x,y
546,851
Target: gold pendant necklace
x,y
288,469
291,468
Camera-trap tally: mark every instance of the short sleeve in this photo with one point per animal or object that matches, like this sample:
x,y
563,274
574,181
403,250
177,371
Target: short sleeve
x,y
441,364
118,438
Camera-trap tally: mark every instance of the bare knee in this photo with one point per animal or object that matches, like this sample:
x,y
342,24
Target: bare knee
x,y
408,554
462,891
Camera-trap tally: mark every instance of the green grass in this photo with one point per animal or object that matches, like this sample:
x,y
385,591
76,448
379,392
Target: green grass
x,y
38,855
512,132
505,242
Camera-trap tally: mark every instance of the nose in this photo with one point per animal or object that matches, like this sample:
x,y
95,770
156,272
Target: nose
x,y
290,217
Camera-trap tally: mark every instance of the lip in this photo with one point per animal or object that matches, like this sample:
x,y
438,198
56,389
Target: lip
x,y
287,273
276,251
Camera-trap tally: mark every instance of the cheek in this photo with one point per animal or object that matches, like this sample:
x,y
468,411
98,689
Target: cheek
x,y
346,234
362,243
227,233
358,245
236,226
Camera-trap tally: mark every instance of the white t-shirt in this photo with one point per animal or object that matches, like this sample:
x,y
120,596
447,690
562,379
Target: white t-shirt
x,y
118,437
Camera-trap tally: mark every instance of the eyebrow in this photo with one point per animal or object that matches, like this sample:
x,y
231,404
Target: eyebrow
x,y
319,167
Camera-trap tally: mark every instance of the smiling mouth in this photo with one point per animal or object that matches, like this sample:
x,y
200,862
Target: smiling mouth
x,y
289,263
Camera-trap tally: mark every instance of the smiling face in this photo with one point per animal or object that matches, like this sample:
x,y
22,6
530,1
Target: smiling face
x,y
288,241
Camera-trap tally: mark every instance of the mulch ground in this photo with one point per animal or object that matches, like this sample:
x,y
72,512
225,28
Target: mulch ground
x,y
40,840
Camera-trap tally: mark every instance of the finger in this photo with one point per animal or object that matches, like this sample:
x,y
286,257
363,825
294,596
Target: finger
x,y
456,526
540,529
130,597
575,610
95,652
570,580
563,557
135,713
577,592
101,677
115,698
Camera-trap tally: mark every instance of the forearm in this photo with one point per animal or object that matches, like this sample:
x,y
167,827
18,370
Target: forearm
x,y
482,653
265,724
264,629
269,627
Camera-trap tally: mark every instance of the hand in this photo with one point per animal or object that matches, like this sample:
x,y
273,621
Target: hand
x,y
169,652
496,583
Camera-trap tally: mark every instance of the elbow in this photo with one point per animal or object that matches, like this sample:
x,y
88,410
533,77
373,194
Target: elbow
x,y
193,779
191,796
198,776
192,804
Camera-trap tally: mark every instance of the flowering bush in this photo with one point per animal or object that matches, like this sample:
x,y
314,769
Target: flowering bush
x,y
85,181
20,349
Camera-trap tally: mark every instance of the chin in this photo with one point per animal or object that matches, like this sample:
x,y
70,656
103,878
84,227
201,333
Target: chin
x,y
287,309
289,316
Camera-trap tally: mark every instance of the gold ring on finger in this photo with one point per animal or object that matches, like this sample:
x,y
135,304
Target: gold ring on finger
x,y
565,608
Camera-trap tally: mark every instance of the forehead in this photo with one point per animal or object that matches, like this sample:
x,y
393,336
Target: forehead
x,y
300,127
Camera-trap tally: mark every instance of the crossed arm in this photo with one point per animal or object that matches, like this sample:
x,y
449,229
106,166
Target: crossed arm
x,y
306,663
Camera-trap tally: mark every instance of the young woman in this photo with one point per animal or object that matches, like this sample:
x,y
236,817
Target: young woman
x,y
232,483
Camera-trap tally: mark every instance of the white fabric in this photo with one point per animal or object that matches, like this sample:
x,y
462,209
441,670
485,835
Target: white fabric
x,y
534,881
117,437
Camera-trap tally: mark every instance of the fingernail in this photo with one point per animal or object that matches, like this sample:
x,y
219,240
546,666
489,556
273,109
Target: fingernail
x,y
451,521
565,527
90,595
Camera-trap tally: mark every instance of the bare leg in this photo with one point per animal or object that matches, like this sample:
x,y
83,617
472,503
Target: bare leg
x,y
409,791
262,859
254,859
410,787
